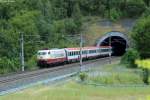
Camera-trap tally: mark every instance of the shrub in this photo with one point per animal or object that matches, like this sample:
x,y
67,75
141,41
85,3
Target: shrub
x,y
141,36
83,76
129,58
9,65
115,14
145,65
31,63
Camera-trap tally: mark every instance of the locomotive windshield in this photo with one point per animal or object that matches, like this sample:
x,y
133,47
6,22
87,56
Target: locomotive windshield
x,y
41,53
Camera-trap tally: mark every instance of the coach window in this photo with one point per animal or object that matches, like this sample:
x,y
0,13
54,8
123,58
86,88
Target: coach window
x,y
49,53
70,53
73,53
90,51
97,50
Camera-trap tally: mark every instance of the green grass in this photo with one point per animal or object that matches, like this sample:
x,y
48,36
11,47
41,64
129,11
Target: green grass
x,y
75,91
115,74
118,78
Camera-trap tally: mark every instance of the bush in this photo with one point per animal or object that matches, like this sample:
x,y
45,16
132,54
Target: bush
x,y
115,14
9,65
31,63
141,36
145,65
83,76
129,58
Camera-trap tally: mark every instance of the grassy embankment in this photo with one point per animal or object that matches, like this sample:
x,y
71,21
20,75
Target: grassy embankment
x,y
118,75
76,91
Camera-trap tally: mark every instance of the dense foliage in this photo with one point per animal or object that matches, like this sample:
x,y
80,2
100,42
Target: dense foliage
x,y
145,65
141,36
129,58
44,23
83,76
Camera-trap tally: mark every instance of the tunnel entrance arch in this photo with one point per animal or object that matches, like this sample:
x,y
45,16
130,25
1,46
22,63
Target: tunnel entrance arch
x,y
118,40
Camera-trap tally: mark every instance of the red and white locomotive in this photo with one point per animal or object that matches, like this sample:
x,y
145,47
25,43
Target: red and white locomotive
x,y
68,55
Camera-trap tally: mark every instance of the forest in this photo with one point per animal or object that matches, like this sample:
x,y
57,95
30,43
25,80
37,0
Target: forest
x,y
44,23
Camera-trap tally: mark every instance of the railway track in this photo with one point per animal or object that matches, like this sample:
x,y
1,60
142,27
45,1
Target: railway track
x,y
9,82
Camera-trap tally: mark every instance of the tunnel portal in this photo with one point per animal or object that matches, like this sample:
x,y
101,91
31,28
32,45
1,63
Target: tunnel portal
x,y
117,40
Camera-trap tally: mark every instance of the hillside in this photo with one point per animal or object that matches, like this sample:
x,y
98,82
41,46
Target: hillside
x,y
97,27
48,23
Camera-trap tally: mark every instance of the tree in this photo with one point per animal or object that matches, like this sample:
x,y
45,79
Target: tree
x,y
147,2
134,8
141,36
77,16
26,23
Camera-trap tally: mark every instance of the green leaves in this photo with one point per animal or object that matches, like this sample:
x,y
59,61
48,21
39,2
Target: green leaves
x,y
143,63
8,65
141,36
129,58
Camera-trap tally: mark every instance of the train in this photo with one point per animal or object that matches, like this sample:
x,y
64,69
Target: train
x,y
50,57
